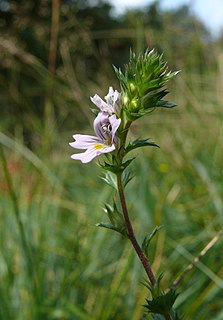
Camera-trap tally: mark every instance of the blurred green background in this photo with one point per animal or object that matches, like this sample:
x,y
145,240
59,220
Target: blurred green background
x,y
54,263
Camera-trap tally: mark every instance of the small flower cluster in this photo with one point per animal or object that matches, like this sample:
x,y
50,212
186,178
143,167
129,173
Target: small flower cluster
x,y
142,90
105,126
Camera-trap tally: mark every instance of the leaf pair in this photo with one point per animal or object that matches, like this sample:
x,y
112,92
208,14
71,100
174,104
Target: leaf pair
x,y
116,223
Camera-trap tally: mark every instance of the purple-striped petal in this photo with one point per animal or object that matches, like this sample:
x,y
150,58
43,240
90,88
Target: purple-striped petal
x,y
103,106
113,99
115,123
100,122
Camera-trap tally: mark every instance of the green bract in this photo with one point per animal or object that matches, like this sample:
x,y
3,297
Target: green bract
x,y
143,84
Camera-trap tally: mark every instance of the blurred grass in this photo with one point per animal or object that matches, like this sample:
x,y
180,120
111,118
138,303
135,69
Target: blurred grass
x,y
54,263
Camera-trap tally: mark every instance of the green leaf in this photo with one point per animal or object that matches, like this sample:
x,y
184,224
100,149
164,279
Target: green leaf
x,y
109,210
165,104
110,179
152,99
148,238
111,168
117,222
140,143
163,303
107,225
126,178
116,169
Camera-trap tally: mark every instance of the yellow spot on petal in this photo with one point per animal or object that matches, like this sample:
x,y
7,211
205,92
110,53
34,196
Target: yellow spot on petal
x,y
98,146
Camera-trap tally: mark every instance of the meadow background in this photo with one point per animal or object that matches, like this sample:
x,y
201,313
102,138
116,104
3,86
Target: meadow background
x,y
54,263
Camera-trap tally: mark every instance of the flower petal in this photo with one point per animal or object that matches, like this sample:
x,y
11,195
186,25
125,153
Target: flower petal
x,y
86,156
101,119
83,141
115,123
103,106
113,99
92,152
110,93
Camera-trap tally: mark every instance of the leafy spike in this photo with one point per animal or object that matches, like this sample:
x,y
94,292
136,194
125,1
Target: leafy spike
x,y
143,83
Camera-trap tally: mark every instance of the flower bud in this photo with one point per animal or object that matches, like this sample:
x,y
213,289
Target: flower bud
x,y
125,99
134,105
133,88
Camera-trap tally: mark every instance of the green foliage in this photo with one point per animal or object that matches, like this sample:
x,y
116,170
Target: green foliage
x,y
143,84
117,169
111,179
117,222
162,304
126,177
148,238
139,143
174,316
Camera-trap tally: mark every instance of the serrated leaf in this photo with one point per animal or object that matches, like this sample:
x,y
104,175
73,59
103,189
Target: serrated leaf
x,y
117,222
165,104
108,225
110,179
126,178
148,238
162,304
111,168
110,213
151,99
140,143
116,169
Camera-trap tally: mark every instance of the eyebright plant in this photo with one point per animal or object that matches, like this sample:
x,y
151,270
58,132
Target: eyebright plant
x,y
143,88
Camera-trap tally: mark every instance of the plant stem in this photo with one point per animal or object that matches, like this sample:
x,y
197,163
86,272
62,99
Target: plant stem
x,y
132,238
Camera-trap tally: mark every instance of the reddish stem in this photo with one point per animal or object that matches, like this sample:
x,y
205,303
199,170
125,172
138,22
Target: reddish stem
x,y
132,238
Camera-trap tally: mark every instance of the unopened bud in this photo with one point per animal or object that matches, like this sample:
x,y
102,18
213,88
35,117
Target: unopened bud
x,y
132,88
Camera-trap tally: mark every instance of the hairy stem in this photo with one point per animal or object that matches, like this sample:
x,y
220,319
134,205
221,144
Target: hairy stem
x,y
144,260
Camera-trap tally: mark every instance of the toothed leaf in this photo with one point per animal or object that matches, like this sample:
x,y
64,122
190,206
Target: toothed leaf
x,y
148,238
162,304
140,143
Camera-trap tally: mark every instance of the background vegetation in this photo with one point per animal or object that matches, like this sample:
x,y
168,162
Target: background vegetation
x,y
54,264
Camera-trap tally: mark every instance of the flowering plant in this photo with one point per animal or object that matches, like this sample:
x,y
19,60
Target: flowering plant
x,y
142,90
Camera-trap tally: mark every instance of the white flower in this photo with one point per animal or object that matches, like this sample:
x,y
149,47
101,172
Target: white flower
x,y
112,104
105,127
